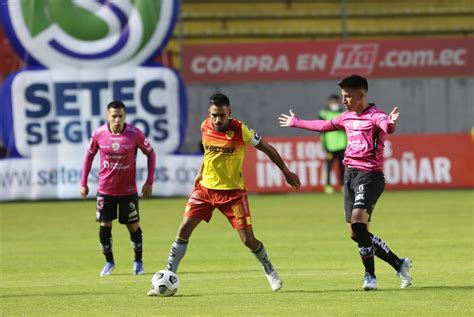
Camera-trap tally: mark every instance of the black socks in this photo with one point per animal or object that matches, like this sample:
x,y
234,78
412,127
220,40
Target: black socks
x,y
137,243
366,248
105,236
383,252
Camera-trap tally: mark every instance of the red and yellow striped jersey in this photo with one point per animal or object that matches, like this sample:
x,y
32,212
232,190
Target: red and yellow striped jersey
x,y
224,154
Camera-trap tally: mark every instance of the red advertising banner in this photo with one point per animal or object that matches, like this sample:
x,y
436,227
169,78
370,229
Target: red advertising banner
x,y
411,162
310,60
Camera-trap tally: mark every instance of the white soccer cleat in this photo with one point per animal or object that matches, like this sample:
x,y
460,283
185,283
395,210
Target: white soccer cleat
x,y
108,269
138,268
370,283
152,292
274,280
404,273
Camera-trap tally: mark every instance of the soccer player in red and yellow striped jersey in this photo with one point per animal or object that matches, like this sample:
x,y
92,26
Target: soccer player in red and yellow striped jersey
x,y
219,184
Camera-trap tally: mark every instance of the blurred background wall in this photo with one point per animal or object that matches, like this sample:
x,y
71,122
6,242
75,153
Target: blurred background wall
x,y
431,79
440,105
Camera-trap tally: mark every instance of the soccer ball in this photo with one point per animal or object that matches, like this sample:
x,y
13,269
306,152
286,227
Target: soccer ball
x,y
165,283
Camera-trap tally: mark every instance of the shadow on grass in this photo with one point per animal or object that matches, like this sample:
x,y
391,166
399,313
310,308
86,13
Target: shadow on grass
x,y
82,294
57,294
410,289
194,272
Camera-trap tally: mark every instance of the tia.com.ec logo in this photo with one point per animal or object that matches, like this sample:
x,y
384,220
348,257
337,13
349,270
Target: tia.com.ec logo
x,y
88,33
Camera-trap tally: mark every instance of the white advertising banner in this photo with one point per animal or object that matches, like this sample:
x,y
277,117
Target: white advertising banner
x,y
31,179
80,56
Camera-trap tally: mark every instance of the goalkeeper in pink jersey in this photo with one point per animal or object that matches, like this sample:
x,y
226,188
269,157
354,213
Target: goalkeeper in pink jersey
x,y
118,143
366,127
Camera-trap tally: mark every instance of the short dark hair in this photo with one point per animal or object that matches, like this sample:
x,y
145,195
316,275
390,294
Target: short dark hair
x,y
116,104
219,100
354,82
334,96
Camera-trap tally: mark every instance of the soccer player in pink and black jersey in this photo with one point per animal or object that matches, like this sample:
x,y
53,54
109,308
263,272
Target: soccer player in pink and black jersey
x,y
118,143
366,127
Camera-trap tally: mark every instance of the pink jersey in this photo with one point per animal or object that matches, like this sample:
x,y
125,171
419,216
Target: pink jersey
x,y
117,160
365,135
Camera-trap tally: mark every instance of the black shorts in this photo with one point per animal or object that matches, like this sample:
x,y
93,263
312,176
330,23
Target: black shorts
x,y
127,208
362,190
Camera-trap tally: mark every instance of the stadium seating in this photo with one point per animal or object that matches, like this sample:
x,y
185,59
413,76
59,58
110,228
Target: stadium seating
x,y
210,21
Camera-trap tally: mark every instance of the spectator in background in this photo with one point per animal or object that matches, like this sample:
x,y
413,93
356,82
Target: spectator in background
x,y
334,143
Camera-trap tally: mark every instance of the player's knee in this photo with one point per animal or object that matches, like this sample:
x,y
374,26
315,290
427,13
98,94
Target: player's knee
x,y
358,229
359,215
250,242
133,227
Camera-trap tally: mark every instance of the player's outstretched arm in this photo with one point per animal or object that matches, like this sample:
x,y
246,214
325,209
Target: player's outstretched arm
x,y
291,178
393,116
292,120
388,125
286,120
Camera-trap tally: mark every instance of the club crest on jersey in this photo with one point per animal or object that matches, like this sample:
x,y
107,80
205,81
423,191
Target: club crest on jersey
x,y
115,146
229,134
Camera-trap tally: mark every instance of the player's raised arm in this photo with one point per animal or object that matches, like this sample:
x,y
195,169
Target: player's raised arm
x,y
313,125
287,120
291,178
387,124
393,116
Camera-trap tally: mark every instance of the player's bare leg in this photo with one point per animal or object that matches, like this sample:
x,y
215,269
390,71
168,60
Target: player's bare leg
x,y
136,237
248,238
359,221
382,251
105,236
178,249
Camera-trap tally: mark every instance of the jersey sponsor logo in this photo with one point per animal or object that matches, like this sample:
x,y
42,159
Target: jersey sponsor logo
x,y
219,149
229,135
359,197
355,57
106,164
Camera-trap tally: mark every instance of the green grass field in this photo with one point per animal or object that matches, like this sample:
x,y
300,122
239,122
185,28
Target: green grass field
x,y
50,260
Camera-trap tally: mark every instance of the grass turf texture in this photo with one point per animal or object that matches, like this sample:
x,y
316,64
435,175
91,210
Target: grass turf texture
x,y
50,259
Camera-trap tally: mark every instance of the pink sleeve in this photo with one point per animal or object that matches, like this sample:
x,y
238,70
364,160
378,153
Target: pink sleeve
x,y
147,149
87,165
381,121
313,125
86,168
151,163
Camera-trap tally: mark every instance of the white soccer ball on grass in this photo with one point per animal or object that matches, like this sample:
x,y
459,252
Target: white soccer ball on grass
x,y
164,283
